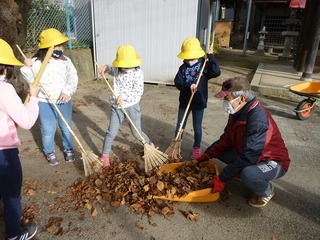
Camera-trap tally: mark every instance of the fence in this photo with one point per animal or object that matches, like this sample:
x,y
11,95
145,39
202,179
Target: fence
x,y
71,17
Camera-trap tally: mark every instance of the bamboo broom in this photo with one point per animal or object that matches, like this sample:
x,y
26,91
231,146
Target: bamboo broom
x,y
174,149
91,162
152,156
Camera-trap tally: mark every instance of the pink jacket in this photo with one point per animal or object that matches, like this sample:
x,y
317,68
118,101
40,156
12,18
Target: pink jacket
x,y
13,111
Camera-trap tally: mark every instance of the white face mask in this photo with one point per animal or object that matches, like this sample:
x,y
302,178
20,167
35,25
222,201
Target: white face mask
x,y
127,70
3,78
228,106
191,63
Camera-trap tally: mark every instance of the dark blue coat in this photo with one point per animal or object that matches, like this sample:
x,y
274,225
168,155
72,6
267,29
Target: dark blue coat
x,y
188,75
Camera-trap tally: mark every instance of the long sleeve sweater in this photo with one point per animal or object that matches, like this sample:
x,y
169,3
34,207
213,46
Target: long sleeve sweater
x,y
59,76
127,84
13,111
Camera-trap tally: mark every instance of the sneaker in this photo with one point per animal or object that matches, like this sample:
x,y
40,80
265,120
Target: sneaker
x,y
28,232
105,159
69,155
255,201
52,159
196,153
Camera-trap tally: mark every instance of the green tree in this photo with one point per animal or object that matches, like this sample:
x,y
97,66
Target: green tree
x,y
13,28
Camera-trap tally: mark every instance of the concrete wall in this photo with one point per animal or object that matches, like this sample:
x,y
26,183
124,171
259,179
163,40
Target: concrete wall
x,y
83,61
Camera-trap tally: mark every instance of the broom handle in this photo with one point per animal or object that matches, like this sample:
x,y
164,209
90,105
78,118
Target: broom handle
x,y
55,105
122,108
189,103
43,66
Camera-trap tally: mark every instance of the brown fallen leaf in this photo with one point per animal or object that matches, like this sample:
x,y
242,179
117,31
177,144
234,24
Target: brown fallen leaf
x,y
94,212
115,203
82,216
104,210
189,215
88,206
30,192
166,211
152,223
52,192
160,185
192,216
50,229
138,225
146,188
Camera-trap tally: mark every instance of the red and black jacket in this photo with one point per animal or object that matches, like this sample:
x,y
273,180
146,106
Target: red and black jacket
x,y
254,135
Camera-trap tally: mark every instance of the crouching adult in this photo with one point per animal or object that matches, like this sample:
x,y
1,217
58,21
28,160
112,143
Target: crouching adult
x,y
251,145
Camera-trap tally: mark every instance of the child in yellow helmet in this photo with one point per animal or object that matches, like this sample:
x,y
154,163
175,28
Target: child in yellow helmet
x,y
185,80
128,87
12,112
60,79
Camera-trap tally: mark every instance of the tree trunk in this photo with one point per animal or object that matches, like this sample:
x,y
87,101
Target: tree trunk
x,y
13,29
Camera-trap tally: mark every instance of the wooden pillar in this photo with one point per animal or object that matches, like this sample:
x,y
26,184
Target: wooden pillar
x,y
313,47
305,33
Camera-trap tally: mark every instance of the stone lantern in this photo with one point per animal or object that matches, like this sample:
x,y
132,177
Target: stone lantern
x,y
290,32
262,37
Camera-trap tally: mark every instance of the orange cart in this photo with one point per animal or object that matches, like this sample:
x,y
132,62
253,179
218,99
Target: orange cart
x,y
306,107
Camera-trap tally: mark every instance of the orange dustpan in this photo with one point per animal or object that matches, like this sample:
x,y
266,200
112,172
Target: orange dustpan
x,y
203,195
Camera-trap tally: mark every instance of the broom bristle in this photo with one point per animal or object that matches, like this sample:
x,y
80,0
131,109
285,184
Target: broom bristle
x,y
153,157
174,150
91,162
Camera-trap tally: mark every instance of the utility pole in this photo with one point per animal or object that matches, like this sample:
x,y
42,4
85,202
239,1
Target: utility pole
x,y
212,21
246,34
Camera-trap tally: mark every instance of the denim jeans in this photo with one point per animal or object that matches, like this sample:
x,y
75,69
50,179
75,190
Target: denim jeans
x,y
48,120
197,116
116,118
257,177
10,190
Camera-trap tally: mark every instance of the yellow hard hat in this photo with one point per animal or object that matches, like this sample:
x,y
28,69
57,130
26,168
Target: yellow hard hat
x,y
191,49
51,37
126,57
6,55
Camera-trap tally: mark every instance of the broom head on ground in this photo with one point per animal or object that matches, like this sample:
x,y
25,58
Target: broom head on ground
x,y
153,157
174,150
92,163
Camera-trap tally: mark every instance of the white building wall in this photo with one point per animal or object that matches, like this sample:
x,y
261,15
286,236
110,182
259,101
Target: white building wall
x,y
156,28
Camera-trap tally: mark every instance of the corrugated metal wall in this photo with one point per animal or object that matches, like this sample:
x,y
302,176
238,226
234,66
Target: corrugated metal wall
x,y
155,28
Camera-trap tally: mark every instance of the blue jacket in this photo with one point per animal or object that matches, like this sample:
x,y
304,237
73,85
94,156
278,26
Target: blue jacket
x,y
254,135
188,75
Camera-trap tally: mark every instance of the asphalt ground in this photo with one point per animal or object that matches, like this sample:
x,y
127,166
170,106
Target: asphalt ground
x,y
293,213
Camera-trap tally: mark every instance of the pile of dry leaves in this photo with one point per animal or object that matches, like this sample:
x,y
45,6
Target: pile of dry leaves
x,y
124,183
